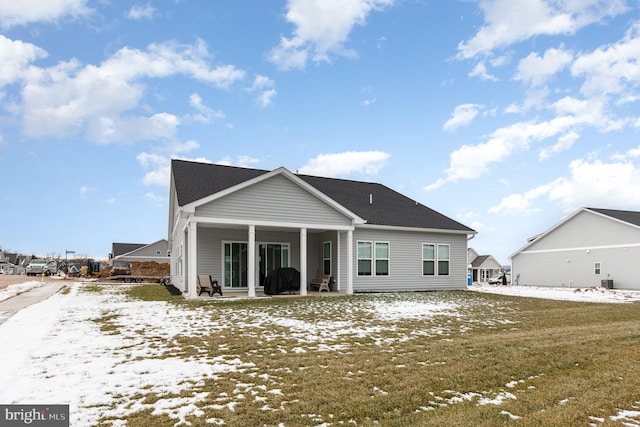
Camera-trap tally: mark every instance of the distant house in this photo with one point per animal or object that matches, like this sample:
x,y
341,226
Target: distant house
x,y
482,267
11,263
582,250
238,225
157,251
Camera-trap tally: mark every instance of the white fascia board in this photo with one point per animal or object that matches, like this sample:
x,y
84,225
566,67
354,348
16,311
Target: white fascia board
x,y
275,224
415,229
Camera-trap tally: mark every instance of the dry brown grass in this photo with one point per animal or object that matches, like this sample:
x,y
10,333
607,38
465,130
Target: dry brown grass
x,y
497,361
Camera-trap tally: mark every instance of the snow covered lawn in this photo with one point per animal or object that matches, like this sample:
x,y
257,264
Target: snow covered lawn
x,y
358,360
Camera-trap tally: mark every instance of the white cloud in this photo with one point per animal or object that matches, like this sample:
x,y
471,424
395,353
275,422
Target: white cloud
x,y
462,115
160,172
139,12
508,21
474,161
614,185
205,114
347,163
480,70
107,130
564,143
321,29
67,99
265,88
241,161
535,70
13,12
611,69
15,56
155,199
158,166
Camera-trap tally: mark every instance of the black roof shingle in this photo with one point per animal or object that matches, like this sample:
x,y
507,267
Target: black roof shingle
x,y
632,217
194,181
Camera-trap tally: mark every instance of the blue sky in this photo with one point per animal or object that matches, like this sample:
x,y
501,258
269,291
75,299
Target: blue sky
x,y
504,115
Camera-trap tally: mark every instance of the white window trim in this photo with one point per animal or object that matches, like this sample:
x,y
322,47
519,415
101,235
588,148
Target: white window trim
x,y
388,259
373,258
597,268
358,258
436,259
448,259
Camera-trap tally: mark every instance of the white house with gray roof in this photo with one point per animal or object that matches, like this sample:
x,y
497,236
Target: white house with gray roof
x,y
141,252
238,225
582,250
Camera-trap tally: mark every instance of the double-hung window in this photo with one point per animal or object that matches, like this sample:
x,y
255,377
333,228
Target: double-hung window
x,y
428,259
365,258
435,259
382,258
373,258
443,260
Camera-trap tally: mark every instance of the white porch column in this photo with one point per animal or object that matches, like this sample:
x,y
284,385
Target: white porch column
x,y
303,261
338,270
350,262
251,255
192,278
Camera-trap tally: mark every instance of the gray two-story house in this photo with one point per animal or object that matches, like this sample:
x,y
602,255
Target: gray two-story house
x,y
237,225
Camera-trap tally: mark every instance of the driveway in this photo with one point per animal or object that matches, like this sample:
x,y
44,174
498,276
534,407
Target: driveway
x,y
11,306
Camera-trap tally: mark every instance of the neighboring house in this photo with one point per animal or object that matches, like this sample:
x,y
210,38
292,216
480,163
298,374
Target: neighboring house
x,y
238,225
582,250
10,263
482,267
132,252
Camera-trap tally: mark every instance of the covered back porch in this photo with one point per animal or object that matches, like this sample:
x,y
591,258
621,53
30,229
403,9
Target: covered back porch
x,y
240,257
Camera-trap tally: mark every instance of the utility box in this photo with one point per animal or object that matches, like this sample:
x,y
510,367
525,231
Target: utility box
x,y
606,284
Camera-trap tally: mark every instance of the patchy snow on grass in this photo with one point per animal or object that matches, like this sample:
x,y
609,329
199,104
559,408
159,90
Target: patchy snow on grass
x,y
593,294
109,357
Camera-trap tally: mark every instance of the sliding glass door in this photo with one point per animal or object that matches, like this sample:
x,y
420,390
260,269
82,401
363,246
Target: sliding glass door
x,y
235,265
271,257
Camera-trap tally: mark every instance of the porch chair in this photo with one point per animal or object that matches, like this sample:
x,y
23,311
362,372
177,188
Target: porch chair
x,y
206,284
321,282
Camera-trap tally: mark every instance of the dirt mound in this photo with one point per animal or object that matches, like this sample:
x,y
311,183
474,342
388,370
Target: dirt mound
x,y
149,268
146,268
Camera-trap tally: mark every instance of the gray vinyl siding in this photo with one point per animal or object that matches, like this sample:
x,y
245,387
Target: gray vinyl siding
x,y
148,253
576,268
587,229
566,255
276,199
210,247
178,244
405,262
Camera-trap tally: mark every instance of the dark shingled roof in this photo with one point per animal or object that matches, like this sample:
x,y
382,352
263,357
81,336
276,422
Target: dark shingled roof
x,y
194,181
118,249
477,262
632,217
